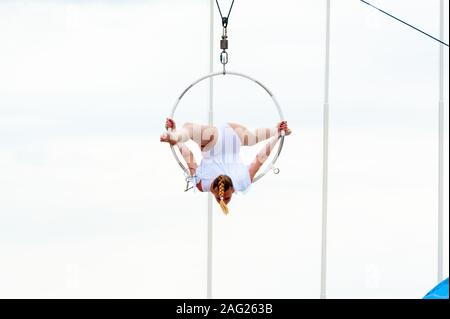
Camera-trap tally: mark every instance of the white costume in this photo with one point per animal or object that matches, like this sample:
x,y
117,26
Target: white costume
x,y
224,159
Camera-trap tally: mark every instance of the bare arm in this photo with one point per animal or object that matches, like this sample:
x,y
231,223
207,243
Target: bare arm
x,y
188,157
262,156
190,161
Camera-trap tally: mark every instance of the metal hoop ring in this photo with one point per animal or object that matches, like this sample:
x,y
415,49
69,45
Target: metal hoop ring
x,y
277,105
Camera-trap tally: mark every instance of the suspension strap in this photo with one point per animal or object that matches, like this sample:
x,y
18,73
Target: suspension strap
x,y
224,40
224,19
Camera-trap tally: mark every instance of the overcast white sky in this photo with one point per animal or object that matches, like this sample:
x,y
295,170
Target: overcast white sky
x,y
92,205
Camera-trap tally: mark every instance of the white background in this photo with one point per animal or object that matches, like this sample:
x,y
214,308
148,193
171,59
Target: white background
x,y
92,204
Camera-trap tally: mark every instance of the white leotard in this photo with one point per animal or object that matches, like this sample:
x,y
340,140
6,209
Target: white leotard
x,y
224,159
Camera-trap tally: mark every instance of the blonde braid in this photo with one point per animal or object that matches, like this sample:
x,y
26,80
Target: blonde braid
x,y
221,194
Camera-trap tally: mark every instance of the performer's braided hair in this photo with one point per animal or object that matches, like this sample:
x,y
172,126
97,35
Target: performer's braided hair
x,y
222,183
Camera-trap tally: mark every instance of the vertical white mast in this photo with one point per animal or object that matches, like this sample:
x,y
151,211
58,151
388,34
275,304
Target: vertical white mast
x,y
210,122
323,278
441,150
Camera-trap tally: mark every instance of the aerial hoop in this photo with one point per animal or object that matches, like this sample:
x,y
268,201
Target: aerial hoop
x,y
277,105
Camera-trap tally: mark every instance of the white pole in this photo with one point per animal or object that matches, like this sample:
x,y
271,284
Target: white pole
x,y
323,285
441,150
210,122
